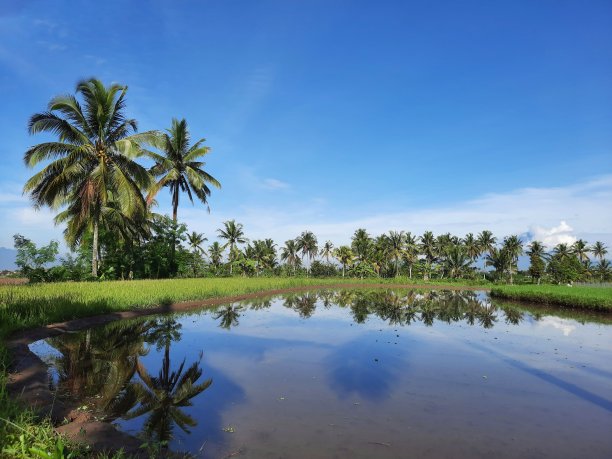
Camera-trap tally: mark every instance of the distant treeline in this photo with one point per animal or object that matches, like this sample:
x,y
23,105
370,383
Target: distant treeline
x,y
169,250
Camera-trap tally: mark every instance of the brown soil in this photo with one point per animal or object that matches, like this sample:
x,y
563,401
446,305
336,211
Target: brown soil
x,y
13,281
29,379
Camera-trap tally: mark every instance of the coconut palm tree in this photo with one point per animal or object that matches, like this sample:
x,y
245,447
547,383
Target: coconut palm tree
x,y
290,254
472,247
456,261
537,256
581,250
514,247
599,250
499,259
344,255
486,242
561,251
428,248
179,167
195,241
307,244
361,244
603,269
411,251
263,253
90,172
215,253
395,242
233,233
327,250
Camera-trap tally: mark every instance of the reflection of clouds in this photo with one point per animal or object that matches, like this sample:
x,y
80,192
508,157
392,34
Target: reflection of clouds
x,y
556,322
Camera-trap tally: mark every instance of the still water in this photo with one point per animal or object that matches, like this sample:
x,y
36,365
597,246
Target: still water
x,y
351,374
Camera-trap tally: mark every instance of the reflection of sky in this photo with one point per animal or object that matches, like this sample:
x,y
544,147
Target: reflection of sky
x,y
276,374
566,326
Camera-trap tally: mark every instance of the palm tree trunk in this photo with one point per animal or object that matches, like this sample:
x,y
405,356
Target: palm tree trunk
x,y
94,250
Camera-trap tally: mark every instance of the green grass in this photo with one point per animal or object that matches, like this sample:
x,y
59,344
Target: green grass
x,y
582,297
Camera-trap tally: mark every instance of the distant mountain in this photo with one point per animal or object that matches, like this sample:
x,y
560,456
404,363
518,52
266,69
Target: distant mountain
x,y
7,258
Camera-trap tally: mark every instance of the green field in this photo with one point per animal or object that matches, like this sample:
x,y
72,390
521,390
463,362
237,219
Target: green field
x,y
28,306
594,298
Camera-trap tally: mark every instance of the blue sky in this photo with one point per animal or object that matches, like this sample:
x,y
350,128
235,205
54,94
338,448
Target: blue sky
x,y
330,115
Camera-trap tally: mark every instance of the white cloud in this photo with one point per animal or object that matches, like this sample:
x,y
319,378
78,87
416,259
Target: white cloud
x,y
550,237
566,326
584,206
274,184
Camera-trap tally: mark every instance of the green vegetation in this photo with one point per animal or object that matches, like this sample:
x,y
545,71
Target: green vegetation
x,y
595,298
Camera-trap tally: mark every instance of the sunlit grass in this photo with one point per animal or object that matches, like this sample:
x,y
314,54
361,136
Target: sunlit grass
x,y
595,298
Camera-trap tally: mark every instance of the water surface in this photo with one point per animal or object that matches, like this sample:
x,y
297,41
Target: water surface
x,y
351,373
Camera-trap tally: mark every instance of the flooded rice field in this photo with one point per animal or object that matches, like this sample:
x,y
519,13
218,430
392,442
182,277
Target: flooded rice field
x,y
350,373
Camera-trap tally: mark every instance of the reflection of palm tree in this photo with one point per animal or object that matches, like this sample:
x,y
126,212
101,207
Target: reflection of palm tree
x,y
99,363
164,396
512,315
260,303
306,305
428,311
360,308
229,316
487,317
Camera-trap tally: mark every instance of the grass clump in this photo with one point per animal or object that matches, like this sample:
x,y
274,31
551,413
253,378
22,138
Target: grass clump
x,y
583,297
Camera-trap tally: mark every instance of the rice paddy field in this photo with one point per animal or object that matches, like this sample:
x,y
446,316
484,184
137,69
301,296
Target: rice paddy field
x,y
583,297
29,306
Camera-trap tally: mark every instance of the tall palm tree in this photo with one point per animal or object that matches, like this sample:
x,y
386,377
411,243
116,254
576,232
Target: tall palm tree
x,y
514,247
215,253
395,241
195,242
290,254
603,268
486,242
411,251
344,254
233,233
91,171
327,250
361,244
457,260
178,166
537,255
307,244
429,249
499,259
562,251
472,247
263,253
599,250
581,250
